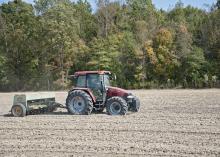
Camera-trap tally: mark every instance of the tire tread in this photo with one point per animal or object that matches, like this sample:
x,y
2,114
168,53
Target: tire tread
x,y
122,102
86,97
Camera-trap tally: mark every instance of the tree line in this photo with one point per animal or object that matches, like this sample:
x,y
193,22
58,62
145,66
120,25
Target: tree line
x,y
41,44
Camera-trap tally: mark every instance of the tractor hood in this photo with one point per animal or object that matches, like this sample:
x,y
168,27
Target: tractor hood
x,y
115,91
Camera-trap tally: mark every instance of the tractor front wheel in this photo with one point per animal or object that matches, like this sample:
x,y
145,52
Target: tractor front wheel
x,y
79,103
135,105
116,106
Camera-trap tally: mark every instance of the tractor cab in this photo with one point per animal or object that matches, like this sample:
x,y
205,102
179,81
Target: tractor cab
x,y
93,92
97,81
92,80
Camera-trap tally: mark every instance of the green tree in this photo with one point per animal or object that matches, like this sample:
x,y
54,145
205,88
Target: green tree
x,y
191,70
107,17
177,14
18,35
117,54
210,39
61,40
144,25
141,9
183,42
87,21
217,5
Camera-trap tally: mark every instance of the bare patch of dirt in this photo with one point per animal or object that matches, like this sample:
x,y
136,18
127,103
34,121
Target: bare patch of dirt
x,y
170,123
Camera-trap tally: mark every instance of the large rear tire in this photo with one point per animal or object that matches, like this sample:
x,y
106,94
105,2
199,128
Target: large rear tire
x,y
18,110
79,103
116,106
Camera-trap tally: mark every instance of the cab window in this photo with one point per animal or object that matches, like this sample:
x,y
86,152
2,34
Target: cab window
x,y
93,81
81,81
106,80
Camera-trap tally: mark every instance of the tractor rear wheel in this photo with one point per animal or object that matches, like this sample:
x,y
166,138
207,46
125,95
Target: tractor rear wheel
x,y
116,106
18,110
79,103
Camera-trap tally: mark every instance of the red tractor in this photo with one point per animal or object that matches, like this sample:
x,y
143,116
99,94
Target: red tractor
x,y
93,92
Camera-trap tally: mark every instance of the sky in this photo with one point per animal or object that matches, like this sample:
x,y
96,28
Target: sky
x,y
164,4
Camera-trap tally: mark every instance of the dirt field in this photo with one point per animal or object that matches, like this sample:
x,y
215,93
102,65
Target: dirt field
x,y
170,123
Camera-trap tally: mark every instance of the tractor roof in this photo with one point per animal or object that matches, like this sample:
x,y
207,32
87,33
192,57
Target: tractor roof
x,y
91,72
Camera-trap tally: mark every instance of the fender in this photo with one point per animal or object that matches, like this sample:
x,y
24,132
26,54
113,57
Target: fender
x,y
87,90
115,91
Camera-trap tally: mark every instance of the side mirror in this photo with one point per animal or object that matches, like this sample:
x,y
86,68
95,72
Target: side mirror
x,y
113,77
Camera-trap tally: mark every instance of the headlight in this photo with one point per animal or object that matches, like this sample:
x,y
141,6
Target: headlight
x,y
130,97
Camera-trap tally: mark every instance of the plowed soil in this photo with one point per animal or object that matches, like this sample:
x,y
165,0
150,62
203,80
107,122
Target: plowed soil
x,y
170,123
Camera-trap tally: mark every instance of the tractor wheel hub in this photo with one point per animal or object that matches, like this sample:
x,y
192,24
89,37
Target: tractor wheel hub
x,y
78,104
115,108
